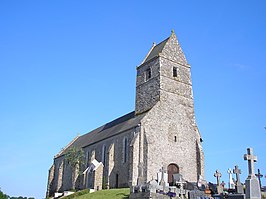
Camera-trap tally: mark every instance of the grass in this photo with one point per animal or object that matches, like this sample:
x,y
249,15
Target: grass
x,y
103,194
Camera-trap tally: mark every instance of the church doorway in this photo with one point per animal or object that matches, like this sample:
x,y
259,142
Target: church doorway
x,y
172,169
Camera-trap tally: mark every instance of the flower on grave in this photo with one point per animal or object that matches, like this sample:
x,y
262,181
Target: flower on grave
x,y
171,194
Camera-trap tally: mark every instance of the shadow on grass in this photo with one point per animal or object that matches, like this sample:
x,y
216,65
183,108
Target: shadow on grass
x,y
125,196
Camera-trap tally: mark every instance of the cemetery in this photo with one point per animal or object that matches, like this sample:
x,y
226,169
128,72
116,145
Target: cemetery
x,y
180,188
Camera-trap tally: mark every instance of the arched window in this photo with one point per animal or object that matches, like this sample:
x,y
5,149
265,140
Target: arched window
x,y
125,149
103,154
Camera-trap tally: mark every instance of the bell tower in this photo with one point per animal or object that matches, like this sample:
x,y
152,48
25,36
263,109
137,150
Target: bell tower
x,y
163,70
164,93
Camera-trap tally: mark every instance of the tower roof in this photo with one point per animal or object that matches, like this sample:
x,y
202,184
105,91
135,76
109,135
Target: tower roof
x,y
163,49
155,50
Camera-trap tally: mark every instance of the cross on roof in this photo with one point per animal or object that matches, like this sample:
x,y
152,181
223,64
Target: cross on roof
x,y
237,171
218,175
251,159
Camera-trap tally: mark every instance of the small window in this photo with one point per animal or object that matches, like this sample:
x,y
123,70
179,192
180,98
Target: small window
x,y
175,138
174,71
148,74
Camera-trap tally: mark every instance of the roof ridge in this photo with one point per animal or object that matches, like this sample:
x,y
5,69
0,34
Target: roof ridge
x,y
118,120
155,50
153,45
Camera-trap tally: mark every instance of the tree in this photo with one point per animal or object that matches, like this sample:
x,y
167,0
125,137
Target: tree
x,y
2,195
75,158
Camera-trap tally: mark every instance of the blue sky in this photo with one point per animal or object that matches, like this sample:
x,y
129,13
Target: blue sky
x,y
67,67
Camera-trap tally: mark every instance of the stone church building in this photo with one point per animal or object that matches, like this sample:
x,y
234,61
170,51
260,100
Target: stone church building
x,y
160,132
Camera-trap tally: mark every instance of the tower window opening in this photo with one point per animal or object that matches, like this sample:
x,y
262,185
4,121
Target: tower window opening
x,y
174,71
148,74
175,139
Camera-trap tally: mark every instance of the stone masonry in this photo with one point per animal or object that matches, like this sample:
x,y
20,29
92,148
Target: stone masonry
x,y
162,130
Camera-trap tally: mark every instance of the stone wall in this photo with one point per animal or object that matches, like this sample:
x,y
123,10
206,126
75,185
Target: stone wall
x,y
50,180
147,91
169,128
171,138
114,162
98,178
115,168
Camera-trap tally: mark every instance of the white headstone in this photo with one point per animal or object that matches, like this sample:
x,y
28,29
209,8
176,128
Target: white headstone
x,y
231,184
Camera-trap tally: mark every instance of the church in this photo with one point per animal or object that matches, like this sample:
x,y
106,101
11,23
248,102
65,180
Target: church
x,y
160,132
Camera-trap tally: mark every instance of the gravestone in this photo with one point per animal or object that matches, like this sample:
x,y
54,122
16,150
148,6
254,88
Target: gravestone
x,y
222,184
196,194
252,184
239,187
218,175
231,184
181,184
259,175
153,186
162,178
177,177
228,196
202,183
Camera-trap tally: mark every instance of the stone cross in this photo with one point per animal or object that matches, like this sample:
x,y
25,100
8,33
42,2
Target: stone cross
x,y
231,182
251,159
239,187
162,179
218,175
259,175
253,190
223,184
237,172
181,183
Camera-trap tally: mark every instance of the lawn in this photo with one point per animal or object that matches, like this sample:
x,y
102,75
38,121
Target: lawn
x,y
106,194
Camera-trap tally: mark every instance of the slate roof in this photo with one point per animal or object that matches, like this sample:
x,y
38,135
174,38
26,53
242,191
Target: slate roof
x,y
110,129
156,50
